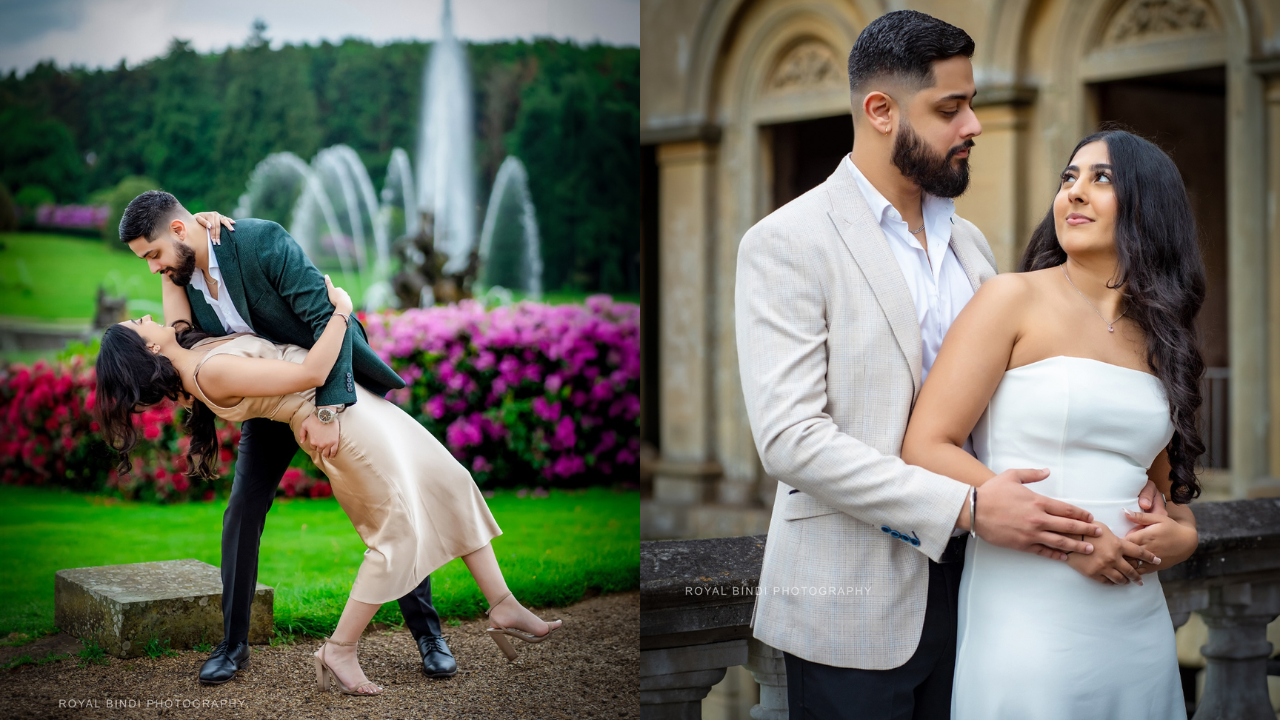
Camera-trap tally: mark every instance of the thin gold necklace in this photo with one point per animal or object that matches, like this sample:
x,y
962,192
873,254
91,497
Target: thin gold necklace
x,y
1111,324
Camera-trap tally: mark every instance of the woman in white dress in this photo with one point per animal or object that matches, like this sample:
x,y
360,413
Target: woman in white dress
x,y
1084,363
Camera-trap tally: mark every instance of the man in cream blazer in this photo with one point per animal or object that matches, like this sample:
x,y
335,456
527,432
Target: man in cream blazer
x,y
837,322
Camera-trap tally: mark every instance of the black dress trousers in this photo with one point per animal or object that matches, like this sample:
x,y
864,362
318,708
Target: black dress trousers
x,y
920,689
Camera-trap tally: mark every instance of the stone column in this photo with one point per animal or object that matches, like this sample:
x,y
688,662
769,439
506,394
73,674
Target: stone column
x,y
1235,685
997,190
681,475
1247,270
1273,285
673,681
767,667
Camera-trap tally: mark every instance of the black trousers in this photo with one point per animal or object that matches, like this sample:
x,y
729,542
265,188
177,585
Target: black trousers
x,y
920,689
266,448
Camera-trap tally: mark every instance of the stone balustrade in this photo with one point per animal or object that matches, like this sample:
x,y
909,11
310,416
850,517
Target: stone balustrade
x,y
696,598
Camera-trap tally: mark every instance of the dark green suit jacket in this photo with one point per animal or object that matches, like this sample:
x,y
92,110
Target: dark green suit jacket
x,y
282,296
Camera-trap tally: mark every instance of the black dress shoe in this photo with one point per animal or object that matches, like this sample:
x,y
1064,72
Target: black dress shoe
x,y
437,661
222,665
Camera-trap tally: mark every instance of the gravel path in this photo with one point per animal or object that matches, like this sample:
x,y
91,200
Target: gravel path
x,y
589,671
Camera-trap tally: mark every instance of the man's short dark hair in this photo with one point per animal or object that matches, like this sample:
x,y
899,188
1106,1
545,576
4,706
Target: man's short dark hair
x,y
146,214
903,45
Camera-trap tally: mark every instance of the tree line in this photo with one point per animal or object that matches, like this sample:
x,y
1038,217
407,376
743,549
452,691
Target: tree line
x,y
197,124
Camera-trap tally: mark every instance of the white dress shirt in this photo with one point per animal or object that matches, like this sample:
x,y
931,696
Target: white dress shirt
x,y
222,306
939,288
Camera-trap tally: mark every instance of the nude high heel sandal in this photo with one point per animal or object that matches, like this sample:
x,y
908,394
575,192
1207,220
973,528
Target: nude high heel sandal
x,y
500,634
324,674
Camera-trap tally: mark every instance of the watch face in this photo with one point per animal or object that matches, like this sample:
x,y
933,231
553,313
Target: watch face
x,y
325,415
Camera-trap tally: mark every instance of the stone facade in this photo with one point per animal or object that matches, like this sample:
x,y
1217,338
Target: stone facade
x,y
720,79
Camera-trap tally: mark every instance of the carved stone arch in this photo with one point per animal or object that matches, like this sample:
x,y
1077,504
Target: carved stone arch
x,y
808,64
1139,21
999,62
719,28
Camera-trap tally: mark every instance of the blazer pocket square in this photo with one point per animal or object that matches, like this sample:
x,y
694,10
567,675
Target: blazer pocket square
x,y
800,507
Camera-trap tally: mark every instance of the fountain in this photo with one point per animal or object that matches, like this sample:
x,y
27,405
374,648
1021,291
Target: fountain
x,y
399,200
331,209
510,255
446,184
283,181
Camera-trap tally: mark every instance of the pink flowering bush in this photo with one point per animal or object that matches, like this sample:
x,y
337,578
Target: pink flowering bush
x,y
51,438
527,394
523,393
73,216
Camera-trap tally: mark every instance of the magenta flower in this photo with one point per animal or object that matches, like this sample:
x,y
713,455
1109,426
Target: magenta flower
x,y
564,437
575,368
545,410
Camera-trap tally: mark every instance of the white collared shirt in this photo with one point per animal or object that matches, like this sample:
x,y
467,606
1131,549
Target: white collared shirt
x,y
222,307
939,287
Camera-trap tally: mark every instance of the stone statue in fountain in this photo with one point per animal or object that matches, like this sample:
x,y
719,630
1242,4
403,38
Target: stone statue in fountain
x,y
422,281
109,309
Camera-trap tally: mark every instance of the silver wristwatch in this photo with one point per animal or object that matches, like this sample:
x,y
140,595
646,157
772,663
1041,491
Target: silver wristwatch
x,y
326,415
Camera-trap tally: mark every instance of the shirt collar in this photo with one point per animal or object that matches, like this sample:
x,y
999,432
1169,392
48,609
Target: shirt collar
x,y
932,206
879,205
213,256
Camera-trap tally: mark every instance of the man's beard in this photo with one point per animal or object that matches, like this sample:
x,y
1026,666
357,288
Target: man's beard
x,y
180,275
931,172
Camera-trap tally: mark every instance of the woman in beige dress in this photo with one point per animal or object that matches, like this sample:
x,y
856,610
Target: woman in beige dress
x,y
414,506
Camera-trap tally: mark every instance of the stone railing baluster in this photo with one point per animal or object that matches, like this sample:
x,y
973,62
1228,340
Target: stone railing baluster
x,y
696,598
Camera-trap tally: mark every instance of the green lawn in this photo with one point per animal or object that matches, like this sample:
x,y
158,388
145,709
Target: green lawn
x,y
50,278
551,551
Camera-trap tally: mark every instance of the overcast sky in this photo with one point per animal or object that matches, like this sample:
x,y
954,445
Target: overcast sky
x,y
99,33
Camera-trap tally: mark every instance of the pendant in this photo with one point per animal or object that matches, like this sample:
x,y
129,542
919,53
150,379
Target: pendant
x,y
1111,328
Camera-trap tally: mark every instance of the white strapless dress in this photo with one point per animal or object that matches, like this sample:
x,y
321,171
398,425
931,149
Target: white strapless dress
x,y
1037,640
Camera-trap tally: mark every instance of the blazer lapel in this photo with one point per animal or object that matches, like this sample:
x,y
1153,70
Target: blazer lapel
x,y
975,266
870,249
232,282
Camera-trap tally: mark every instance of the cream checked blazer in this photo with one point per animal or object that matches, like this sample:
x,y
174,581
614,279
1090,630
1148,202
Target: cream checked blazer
x,y
829,353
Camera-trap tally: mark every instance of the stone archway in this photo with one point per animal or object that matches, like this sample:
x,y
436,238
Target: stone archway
x,y
751,65
785,63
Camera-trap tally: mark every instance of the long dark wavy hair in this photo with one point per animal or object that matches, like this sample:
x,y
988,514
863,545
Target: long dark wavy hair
x,y
131,378
1161,276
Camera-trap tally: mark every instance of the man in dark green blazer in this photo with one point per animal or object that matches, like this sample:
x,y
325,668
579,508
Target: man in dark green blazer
x,y
261,281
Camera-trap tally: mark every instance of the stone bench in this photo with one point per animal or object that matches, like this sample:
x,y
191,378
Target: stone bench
x,y
123,607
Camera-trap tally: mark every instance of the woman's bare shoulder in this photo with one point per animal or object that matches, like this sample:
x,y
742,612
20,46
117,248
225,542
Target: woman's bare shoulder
x,y
1016,287
1009,296
1004,289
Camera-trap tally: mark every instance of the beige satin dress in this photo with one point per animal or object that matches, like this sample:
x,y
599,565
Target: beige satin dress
x,y
414,505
